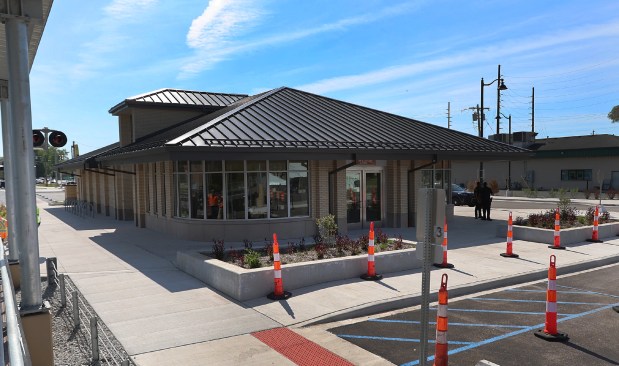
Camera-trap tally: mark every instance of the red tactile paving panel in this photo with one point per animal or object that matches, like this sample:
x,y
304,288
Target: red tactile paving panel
x,y
298,349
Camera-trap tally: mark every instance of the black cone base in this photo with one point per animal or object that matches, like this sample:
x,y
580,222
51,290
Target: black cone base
x,y
594,241
553,247
443,265
509,255
559,337
284,296
367,277
616,308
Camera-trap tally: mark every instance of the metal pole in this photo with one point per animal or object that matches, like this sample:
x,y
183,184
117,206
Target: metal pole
x,y
21,184
509,162
428,252
63,292
533,109
7,138
76,309
94,339
498,102
15,339
51,265
481,130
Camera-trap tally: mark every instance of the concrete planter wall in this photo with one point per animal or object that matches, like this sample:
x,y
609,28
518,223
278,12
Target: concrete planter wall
x,y
568,236
245,284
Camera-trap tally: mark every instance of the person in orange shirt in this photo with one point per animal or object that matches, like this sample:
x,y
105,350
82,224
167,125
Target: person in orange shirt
x,y
213,205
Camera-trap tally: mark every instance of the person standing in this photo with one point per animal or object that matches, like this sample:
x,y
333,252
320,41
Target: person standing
x,y
486,201
477,196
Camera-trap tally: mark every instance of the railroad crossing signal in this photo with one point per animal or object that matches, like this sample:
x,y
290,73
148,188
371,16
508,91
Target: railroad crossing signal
x,y
41,138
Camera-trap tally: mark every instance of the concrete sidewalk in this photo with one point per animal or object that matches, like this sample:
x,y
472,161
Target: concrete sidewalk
x,y
163,316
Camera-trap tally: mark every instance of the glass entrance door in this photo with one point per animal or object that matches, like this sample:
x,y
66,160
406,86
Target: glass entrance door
x,y
363,198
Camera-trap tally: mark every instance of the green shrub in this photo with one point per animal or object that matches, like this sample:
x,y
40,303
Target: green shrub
x,y
252,258
327,229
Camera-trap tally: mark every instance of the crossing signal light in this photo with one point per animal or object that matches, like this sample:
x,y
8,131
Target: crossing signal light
x,y
57,139
38,139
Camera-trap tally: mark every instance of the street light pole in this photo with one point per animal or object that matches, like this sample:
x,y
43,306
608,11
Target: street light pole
x,y
498,102
500,86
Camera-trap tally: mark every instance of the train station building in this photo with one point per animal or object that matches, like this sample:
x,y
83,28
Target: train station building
x,y
211,166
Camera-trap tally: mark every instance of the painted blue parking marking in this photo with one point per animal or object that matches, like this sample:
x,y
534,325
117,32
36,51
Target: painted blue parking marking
x,y
450,323
544,291
499,311
414,340
589,292
541,301
507,335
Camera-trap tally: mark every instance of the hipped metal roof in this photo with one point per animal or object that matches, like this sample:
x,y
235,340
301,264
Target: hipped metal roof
x,y
302,125
176,98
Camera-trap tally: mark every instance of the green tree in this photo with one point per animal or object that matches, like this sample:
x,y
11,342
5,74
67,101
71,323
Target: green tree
x,y
46,159
613,115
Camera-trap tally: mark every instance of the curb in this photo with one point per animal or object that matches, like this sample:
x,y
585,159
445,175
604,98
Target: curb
x,y
406,301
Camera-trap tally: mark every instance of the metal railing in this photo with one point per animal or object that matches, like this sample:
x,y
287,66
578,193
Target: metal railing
x,y
16,342
101,346
80,207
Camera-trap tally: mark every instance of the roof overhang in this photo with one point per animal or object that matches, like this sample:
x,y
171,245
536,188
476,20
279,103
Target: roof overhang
x,y
176,153
35,12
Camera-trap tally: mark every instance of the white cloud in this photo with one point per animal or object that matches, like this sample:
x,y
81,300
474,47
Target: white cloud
x,y
491,52
216,33
111,37
127,9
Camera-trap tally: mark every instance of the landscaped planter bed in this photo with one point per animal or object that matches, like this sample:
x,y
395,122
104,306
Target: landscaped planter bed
x,y
245,284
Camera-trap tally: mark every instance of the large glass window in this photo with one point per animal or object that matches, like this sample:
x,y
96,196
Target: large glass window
x,y
299,188
233,190
182,193
257,195
576,174
155,191
278,194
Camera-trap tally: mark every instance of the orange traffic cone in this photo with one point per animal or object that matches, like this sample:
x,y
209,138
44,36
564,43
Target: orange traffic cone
x,y
444,264
279,293
550,332
595,235
557,244
371,274
510,236
440,351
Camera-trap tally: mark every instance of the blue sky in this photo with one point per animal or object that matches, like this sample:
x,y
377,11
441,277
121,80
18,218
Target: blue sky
x,y
406,57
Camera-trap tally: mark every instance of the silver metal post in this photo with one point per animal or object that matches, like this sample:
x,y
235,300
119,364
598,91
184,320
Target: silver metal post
x,y
76,309
21,183
63,291
94,339
51,265
428,252
7,138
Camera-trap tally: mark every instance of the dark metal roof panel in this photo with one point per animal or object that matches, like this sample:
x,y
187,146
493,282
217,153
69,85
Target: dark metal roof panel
x,y
287,119
81,159
172,97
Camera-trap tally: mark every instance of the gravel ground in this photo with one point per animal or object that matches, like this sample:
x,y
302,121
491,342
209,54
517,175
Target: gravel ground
x,y
72,345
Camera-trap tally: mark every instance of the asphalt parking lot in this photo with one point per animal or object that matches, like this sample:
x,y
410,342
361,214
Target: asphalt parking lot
x,y
499,326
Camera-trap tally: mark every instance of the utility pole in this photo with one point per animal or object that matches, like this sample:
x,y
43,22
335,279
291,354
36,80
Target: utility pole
x,y
533,109
509,162
498,103
448,114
